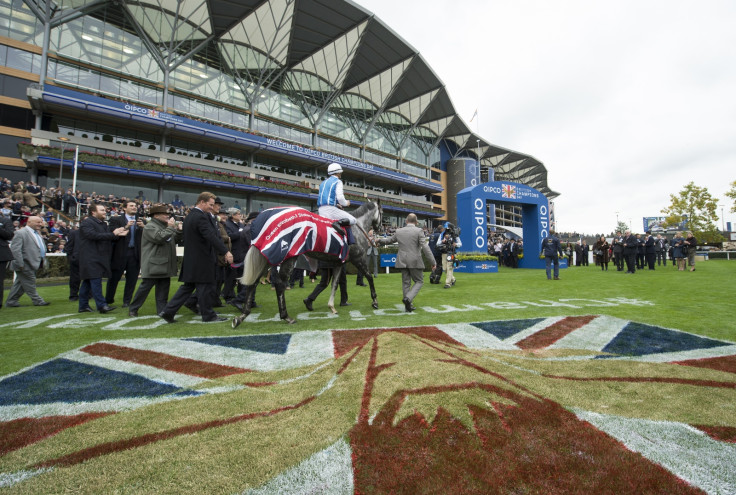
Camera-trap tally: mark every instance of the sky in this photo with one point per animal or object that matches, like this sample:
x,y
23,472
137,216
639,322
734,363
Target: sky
x,y
623,102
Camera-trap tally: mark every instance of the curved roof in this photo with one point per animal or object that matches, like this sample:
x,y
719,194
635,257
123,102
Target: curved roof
x,y
329,55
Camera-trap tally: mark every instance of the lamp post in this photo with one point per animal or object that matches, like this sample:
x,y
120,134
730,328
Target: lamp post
x,y
74,177
723,220
61,159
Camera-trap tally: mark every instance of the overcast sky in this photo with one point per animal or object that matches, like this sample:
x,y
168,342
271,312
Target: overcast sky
x,y
624,102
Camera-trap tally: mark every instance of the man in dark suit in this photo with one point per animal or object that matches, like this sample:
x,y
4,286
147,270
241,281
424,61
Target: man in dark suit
x,y
202,244
514,254
650,250
631,247
6,234
412,244
95,251
618,251
72,257
126,253
641,252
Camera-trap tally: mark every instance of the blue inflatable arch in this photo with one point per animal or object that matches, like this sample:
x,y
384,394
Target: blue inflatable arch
x,y
471,217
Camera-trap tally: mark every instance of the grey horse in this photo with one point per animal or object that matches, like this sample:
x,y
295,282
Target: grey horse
x,y
369,216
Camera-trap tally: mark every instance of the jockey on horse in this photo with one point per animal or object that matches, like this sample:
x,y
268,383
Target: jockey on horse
x,y
331,198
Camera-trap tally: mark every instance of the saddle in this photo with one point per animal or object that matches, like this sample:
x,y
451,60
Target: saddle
x,y
342,226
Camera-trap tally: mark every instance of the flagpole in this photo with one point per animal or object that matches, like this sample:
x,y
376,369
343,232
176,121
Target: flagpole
x,y
477,133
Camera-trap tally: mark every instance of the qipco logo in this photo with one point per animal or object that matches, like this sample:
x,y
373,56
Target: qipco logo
x,y
479,223
543,222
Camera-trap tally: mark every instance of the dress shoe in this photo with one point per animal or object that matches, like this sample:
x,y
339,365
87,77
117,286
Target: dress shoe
x,y
42,303
236,305
407,305
308,303
362,285
216,319
447,286
193,308
254,305
557,278
166,316
12,305
106,309
125,305
87,310
74,298
345,304
133,313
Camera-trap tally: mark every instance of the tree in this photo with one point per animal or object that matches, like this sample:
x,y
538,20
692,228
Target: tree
x,y
698,209
621,227
731,193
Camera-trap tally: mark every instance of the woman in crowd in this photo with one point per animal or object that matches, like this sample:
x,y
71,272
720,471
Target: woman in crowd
x,y
692,245
568,254
600,249
679,252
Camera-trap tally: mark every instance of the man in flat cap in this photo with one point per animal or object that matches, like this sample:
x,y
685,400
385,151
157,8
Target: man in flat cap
x,y
158,258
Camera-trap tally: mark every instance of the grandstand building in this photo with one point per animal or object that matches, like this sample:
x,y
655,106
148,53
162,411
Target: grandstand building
x,y
248,99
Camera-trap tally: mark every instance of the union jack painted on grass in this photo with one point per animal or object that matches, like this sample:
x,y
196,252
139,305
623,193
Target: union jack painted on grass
x,y
286,232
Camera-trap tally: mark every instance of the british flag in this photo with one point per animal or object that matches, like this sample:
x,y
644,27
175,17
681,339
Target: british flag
x,y
285,232
508,191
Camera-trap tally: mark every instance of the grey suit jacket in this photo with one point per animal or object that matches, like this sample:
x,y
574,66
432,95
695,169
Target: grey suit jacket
x,y
412,244
26,252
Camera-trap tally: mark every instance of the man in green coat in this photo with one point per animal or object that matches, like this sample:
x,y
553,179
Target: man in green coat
x,y
158,258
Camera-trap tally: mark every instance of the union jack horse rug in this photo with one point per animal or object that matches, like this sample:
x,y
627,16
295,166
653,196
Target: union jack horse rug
x,y
288,231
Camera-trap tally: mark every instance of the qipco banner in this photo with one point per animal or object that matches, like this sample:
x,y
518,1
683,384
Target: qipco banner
x,y
471,217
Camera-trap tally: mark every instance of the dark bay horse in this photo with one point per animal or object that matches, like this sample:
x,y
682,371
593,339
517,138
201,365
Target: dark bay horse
x,y
369,216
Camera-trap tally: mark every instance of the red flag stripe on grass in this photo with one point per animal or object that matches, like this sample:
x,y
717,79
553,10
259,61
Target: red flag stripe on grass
x,y
22,432
726,363
147,439
163,361
554,332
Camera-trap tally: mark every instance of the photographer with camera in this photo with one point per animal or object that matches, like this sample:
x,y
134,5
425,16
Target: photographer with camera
x,y
447,245
434,239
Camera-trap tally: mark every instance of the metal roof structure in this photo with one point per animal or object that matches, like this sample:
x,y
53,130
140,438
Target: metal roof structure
x,y
327,56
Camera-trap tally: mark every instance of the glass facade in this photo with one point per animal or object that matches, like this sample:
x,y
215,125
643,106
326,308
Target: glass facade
x,y
275,69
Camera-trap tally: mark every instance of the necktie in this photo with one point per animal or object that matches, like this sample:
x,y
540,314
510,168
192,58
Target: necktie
x,y
131,242
41,246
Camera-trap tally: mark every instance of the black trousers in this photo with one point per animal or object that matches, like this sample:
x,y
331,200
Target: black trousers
x,y
640,260
661,257
324,282
74,279
231,276
131,268
205,296
3,266
162,286
618,260
651,258
630,262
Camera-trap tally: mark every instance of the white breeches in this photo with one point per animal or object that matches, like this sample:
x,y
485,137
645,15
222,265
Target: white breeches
x,y
335,213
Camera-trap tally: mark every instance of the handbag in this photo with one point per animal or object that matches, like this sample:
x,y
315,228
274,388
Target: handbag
x,y
684,249
597,252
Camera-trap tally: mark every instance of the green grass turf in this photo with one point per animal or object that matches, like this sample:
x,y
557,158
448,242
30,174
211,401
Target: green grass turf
x,y
700,302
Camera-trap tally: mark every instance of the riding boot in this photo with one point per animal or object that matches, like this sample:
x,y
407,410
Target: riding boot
x,y
338,228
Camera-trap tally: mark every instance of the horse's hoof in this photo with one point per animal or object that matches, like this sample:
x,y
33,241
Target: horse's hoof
x,y
290,321
332,308
375,305
236,322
